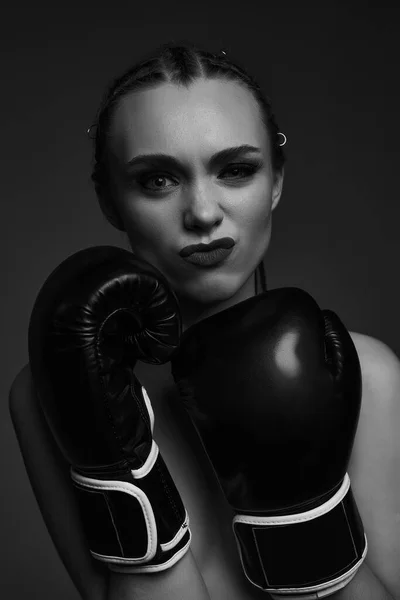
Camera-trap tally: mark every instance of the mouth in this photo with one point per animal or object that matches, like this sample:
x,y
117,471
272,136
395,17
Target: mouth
x,y
226,243
209,258
206,255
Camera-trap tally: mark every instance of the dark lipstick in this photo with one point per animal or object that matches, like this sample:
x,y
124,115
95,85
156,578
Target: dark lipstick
x,y
225,242
206,255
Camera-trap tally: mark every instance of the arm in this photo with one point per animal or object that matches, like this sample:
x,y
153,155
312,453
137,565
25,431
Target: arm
x,y
181,582
375,463
364,586
48,473
50,480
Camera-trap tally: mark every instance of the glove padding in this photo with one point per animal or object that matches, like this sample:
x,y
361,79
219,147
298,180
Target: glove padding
x,y
273,387
98,313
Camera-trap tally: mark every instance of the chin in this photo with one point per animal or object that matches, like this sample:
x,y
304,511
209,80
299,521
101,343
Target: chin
x,y
211,291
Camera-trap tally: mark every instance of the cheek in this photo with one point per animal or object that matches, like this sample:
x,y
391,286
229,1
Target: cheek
x,y
151,228
254,214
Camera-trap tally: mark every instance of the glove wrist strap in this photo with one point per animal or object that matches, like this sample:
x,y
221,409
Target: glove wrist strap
x,y
136,523
305,555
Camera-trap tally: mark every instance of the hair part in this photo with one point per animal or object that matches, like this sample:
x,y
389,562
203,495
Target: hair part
x,y
181,64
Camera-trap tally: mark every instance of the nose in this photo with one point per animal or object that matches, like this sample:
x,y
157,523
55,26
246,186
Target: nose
x,y
202,210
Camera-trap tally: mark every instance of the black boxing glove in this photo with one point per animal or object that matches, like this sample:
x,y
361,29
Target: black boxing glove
x,y
98,313
273,387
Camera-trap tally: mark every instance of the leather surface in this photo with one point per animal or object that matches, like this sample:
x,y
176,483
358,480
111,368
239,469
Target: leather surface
x,y
273,386
98,313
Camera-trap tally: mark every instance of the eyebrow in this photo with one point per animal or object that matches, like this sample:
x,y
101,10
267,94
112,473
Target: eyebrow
x,y
160,159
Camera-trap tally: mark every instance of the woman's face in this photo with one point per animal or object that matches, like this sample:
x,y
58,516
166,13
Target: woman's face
x,y
192,195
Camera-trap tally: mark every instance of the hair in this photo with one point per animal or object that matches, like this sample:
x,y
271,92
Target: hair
x,y
181,64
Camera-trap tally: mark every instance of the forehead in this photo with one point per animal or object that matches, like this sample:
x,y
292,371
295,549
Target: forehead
x,y
175,119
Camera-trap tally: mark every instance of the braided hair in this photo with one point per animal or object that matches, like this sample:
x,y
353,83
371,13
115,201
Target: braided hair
x,y
181,64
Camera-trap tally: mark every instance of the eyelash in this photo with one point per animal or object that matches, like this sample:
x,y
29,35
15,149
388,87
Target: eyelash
x,y
250,169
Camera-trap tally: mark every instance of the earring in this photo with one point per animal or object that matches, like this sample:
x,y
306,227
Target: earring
x,y
284,138
91,131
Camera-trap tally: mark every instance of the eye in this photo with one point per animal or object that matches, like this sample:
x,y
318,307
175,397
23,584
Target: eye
x,y
158,179
240,170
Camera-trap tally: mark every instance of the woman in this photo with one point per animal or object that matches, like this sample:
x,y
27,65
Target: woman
x,y
187,150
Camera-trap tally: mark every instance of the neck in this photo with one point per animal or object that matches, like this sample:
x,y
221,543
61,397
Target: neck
x,y
192,311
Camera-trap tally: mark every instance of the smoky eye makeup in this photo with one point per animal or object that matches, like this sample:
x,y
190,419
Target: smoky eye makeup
x,y
155,181
145,180
247,167
157,172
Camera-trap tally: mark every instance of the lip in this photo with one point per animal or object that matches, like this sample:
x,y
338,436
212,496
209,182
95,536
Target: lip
x,y
209,258
225,243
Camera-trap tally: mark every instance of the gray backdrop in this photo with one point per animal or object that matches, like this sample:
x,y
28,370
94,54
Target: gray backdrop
x,y
331,71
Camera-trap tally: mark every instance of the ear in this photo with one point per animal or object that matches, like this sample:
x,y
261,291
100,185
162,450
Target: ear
x,y
109,209
277,189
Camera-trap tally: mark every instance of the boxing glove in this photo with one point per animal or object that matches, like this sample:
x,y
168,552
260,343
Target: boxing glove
x,y
273,387
98,313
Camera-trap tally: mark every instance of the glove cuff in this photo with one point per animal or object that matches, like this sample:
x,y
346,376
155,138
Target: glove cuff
x,y
305,555
135,522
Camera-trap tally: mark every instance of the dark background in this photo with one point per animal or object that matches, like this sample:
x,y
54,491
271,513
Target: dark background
x,y
331,70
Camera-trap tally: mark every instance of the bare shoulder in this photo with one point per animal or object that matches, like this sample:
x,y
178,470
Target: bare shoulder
x,y
374,467
26,414
380,369
22,399
379,363
21,383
